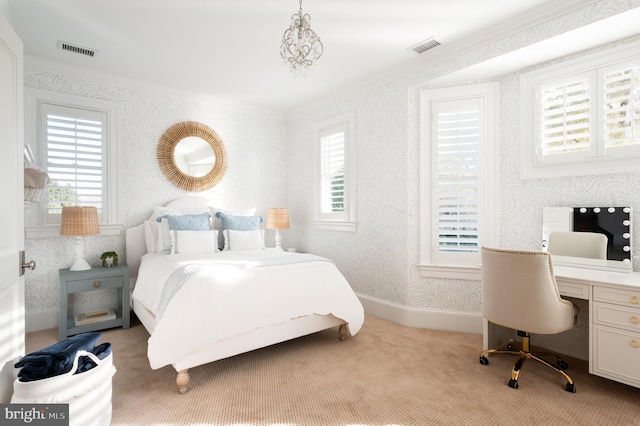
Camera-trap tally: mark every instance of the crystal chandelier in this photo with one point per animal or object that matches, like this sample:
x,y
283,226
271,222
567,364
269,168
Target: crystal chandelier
x,y
301,47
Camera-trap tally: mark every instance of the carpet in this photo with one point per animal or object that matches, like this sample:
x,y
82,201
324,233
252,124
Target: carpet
x,y
385,375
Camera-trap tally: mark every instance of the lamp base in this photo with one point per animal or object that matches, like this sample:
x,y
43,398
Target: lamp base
x,y
278,240
80,265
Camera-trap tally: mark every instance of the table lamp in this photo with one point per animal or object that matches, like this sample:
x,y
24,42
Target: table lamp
x,y
278,218
79,221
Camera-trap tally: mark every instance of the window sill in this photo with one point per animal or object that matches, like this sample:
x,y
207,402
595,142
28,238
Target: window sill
x,y
451,272
580,168
53,231
337,225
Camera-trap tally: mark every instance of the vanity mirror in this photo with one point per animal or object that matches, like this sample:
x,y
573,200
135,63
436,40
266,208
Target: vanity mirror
x,y
613,222
192,156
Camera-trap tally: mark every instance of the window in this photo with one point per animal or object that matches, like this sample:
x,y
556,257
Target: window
x,y
75,143
456,145
332,171
457,177
582,117
622,106
565,121
74,146
335,174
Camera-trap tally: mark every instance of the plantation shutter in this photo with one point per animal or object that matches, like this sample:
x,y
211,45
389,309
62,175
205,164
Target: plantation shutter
x,y
565,118
74,143
332,171
622,107
457,137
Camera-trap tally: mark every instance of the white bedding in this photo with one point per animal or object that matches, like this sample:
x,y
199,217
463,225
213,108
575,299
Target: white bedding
x,y
231,295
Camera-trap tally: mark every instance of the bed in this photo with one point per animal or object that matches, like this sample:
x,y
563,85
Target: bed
x,y
202,304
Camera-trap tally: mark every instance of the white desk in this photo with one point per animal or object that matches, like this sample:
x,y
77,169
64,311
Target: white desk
x,y
614,321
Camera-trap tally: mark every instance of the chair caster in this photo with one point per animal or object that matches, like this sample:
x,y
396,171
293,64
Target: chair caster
x,y
570,388
484,360
562,365
513,384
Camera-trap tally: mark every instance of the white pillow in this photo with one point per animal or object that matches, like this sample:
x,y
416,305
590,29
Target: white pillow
x,y
162,238
151,235
217,222
244,240
194,242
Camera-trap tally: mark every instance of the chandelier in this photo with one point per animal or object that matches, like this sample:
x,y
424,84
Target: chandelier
x,y
301,47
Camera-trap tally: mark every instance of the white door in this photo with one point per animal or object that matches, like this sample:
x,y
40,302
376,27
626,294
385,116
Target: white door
x,y
12,327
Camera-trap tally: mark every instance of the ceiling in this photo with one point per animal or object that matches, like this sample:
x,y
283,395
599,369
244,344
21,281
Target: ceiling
x,y
229,49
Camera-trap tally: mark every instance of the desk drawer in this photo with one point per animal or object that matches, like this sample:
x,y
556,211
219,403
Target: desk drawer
x,y
94,284
617,296
616,354
571,289
617,316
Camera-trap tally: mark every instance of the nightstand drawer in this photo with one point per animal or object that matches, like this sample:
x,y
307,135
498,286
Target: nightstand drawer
x,y
617,296
616,316
94,284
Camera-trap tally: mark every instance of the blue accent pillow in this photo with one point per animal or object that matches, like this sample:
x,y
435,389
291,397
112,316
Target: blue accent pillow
x,y
189,222
239,223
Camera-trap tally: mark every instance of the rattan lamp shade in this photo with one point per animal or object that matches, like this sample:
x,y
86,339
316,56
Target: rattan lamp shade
x,y
78,220
278,219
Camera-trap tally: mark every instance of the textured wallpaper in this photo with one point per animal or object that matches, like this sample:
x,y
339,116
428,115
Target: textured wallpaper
x,y
381,258
256,148
271,163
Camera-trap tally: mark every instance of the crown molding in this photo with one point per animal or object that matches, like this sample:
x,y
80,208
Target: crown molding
x,y
536,16
36,63
6,11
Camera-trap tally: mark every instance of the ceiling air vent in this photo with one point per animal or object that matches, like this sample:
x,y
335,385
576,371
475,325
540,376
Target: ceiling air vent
x,y
425,45
63,45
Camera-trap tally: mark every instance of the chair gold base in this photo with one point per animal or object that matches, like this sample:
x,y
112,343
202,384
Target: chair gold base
x,y
524,353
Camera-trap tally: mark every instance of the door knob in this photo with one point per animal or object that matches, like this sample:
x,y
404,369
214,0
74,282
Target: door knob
x,y
31,265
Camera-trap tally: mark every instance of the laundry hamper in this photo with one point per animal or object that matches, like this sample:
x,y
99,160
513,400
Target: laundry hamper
x,y
88,393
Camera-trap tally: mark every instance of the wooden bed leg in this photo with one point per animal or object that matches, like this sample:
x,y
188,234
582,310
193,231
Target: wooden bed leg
x,y
182,380
342,330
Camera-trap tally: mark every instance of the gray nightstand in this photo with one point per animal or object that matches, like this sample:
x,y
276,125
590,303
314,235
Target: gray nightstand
x,y
98,278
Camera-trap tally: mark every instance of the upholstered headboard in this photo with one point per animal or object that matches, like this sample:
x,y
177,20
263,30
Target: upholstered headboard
x,y
135,245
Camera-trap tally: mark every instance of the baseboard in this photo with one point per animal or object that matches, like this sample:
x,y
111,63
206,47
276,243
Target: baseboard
x,y
41,320
410,317
437,319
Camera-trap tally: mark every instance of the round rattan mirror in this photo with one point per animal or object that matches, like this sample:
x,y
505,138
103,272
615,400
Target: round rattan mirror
x,y
185,133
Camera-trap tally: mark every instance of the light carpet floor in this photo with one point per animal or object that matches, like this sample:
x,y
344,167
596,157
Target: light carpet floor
x,y
385,375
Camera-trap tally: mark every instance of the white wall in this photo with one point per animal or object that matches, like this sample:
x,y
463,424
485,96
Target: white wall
x,y
380,259
256,149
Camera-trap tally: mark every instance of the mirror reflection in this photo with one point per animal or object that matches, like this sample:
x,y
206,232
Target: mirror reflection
x,y
578,233
194,156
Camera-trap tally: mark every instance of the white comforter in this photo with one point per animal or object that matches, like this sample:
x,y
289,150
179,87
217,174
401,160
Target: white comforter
x,y
231,295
